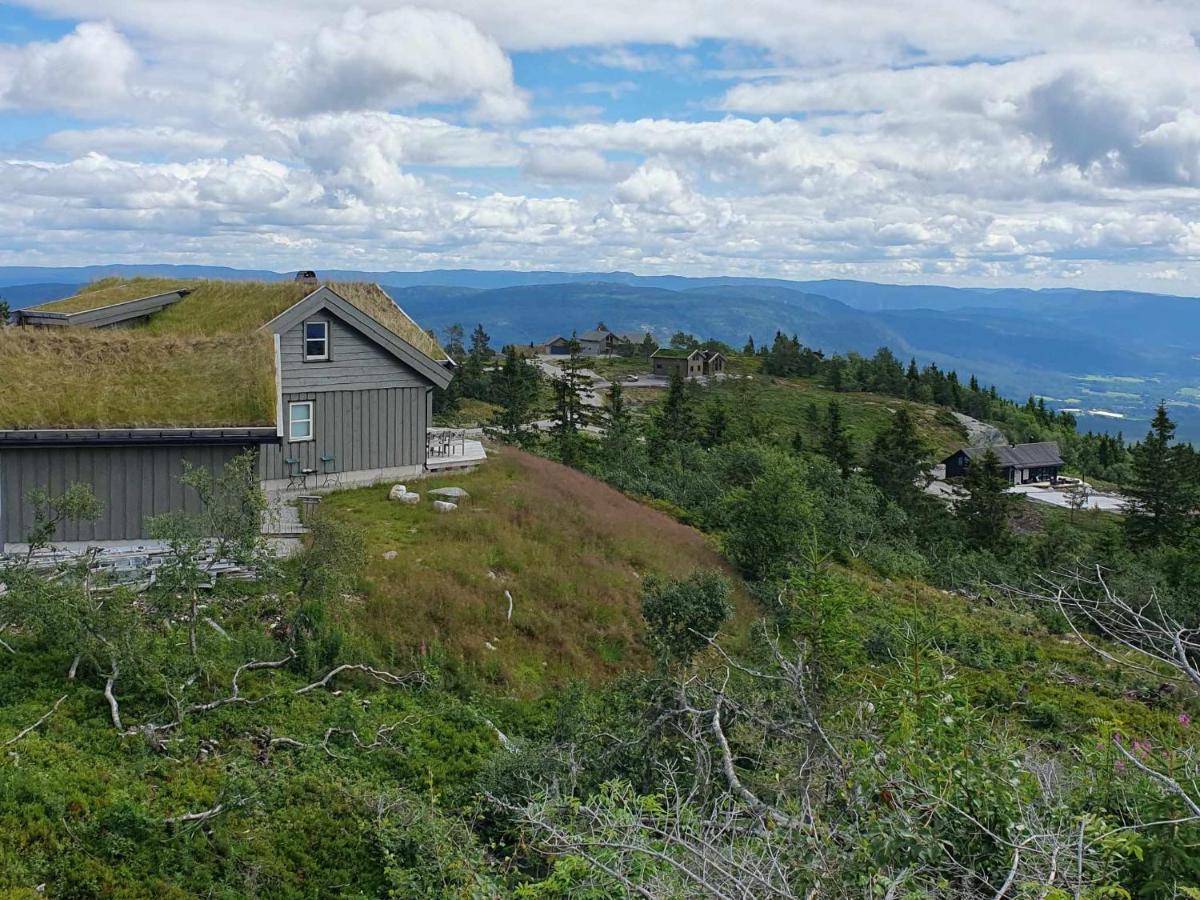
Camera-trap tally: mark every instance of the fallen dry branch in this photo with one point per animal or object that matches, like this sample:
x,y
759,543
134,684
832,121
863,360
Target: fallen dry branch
x,y
382,737
389,678
202,816
235,695
24,731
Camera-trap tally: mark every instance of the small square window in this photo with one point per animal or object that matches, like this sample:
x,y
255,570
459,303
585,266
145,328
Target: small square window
x,y
316,341
300,421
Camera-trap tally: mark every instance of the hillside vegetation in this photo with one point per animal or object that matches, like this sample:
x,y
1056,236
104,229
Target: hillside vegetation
x,y
570,550
747,656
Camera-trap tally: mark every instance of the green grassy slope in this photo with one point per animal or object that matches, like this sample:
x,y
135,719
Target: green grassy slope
x,y
571,551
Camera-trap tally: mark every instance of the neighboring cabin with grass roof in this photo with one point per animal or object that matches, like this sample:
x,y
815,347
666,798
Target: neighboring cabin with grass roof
x,y
667,361
119,384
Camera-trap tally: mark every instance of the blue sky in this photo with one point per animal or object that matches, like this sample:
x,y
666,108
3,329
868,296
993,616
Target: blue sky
x,y
967,142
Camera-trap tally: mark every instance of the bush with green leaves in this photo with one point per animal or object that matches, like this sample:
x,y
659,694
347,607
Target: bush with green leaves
x,y
683,615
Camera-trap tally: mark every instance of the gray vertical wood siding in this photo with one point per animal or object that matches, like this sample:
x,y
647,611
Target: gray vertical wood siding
x,y
130,482
380,428
355,362
370,410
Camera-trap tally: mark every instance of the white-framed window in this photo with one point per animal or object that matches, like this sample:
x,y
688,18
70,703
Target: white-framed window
x,y
316,341
300,421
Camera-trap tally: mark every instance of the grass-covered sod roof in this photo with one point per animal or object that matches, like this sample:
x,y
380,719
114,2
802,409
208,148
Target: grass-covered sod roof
x,y
201,362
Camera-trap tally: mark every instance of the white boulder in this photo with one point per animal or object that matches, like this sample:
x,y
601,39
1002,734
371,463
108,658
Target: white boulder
x,y
444,506
397,491
412,499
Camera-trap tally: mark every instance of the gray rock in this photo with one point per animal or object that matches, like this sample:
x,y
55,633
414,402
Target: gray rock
x,y
452,493
444,506
410,498
391,554
397,491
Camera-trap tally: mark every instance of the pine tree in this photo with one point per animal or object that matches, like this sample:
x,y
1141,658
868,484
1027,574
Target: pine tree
x,y
835,442
1162,491
898,458
454,342
748,350
984,513
835,373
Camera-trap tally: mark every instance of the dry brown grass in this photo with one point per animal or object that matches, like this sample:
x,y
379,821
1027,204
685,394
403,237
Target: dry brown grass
x,y
572,551
106,292
200,362
83,378
375,302
223,307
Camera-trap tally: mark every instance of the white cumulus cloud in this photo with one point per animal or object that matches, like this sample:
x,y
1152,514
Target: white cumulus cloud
x,y
87,71
388,60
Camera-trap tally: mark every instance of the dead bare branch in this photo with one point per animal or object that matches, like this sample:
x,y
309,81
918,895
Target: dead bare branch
x,y
389,678
114,709
1162,778
202,816
24,731
235,695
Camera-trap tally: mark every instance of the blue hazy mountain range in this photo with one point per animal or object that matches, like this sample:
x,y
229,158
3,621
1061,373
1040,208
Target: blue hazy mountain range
x,y
1112,354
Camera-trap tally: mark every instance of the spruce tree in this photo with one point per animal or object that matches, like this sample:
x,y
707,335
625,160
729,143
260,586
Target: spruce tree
x,y
1162,491
835,442
516,391
474,379
716,425
984,514
898,458
570,414
676,422
620,437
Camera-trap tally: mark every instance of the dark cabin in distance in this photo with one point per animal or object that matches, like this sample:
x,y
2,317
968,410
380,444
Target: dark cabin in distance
x,y
1021,463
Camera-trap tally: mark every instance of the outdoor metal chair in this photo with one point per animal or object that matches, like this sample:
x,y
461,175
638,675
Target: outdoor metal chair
x,y
330,471
296,476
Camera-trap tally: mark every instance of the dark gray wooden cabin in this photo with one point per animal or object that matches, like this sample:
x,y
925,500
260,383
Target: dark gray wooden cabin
x,y
1021,464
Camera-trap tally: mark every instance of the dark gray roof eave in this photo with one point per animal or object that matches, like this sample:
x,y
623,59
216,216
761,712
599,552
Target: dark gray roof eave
x,y
44,437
